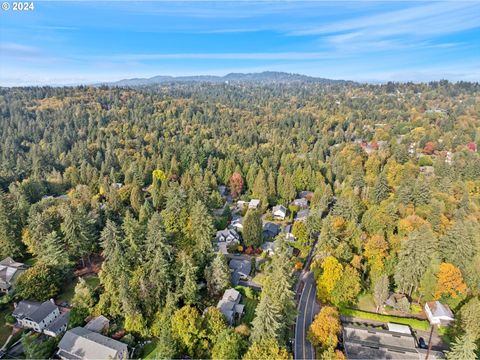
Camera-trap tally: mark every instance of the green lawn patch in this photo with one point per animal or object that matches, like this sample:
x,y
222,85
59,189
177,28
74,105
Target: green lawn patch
x,y
249,311
69,289
366,303
413,323
5,330
149,350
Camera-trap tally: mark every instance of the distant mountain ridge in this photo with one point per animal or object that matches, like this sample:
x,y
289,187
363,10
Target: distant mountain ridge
x,y
266,77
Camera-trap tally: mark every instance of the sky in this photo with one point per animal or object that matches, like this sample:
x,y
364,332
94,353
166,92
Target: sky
x,y
73,42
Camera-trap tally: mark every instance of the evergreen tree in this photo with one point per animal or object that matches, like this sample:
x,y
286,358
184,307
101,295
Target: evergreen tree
x,y
78,233
187,278
252,228
414,259
463,348
9,244
260,190
53,251
381,190
267,323
217,275
202,232
381,291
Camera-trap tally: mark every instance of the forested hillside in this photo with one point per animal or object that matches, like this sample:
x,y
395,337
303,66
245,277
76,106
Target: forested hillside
x,y
128,179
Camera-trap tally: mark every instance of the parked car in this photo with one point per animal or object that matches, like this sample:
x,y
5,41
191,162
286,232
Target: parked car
x,y
421,343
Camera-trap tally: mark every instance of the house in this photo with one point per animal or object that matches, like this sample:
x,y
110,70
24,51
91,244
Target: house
x,y
240,270
58,326
241,204
301,203
230,305
306,195
35,315
302,215
269,247
288,233
98,324
237,223
364,342
279,212
9,272
223,190
227,235
438,313
80,343
117,186
225,238
270,230
254,204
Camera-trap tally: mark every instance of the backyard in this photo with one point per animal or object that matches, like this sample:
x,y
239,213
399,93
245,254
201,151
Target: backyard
x,y
69,290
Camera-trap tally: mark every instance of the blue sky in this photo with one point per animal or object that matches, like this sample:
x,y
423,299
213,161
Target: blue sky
x,y
69,42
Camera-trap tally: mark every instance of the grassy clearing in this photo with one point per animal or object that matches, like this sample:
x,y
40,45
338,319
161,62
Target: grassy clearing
x,y
413,323
149,351
5,330
366,303
249,311
69,289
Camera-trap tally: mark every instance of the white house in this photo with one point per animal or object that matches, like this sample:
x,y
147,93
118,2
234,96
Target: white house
x,y
225,238
9,272
35,315
438,313
254,204
279,212
81,343
58,326
237,223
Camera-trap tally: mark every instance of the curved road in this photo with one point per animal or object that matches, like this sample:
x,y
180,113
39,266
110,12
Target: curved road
x,y
307,309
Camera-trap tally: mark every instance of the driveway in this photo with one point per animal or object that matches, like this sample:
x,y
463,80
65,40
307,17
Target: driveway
x,y
307,309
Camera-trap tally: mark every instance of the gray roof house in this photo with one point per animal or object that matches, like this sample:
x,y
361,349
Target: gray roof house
x,y
230,305
438,313
288,233
269,247
237,223
35,315
98,324
302,203
225,238
364,342
270,230
9,272
254,204
58,326
302,215
240,270
80,343
279,212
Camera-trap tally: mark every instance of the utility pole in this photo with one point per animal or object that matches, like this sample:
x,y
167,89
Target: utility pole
x,y
429,343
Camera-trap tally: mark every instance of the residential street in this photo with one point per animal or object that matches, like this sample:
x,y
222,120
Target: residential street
x,y
307,309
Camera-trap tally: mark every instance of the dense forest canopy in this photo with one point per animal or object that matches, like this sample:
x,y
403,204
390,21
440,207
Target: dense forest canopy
x,y
394,171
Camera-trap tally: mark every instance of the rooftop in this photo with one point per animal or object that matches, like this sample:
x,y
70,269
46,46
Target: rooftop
x,y
81,343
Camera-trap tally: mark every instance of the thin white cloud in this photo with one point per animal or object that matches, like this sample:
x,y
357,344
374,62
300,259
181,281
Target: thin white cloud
x,y
225,56
434,18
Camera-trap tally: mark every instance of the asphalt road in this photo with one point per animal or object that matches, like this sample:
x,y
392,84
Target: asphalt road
x,y
307,309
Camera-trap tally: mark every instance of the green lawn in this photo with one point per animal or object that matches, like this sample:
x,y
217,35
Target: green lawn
x,y
249,311
149,350
366,303
69,289
5,330
413,323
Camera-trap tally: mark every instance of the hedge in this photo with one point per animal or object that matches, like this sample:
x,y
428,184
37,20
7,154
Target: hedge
x,y
413,323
